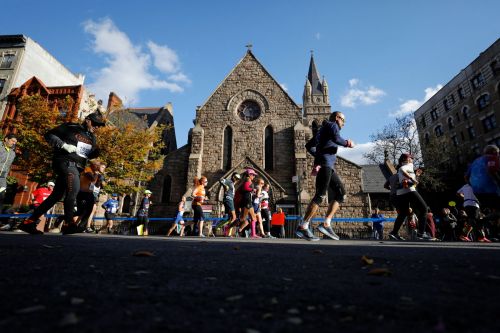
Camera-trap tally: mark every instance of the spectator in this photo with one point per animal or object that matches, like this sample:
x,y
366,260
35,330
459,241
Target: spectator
x,y
142,216
430,226
111,208
378,226
278,223
37,197
7,155
449,225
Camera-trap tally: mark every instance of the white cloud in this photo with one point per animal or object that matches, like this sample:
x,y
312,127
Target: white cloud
x,y
412,105
356,154
361,95
128,68
285,88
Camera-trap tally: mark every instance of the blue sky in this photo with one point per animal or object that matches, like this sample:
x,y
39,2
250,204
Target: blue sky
x,y
380,58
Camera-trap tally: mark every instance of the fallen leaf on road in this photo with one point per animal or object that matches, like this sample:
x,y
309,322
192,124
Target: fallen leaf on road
x,y
142,272
76,300
236,248
143,254
51,246
211,278
318,252
31,309
234,298
294,320
69,319
287,279
380,272
367,261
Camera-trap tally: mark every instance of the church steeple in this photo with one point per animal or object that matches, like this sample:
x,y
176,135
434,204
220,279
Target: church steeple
x,y
313,77
316,100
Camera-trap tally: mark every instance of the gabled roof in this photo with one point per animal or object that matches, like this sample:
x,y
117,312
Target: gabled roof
x,y
247,162
249,54
33,81
374,178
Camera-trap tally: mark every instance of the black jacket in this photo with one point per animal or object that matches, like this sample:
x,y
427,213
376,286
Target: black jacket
x,y
73,134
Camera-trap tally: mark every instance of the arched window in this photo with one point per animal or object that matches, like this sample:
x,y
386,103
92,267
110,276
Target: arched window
x,y
269,148
483,101
450,123
438,130
466,112
167,187
427,138
227,152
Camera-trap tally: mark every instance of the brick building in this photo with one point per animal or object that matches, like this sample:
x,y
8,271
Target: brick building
x,y
249,120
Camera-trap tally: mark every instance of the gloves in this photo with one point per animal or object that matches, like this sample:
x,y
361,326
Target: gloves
x,y
349,144
69,148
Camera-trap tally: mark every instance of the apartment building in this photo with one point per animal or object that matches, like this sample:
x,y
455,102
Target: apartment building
x,y
21,58
463,117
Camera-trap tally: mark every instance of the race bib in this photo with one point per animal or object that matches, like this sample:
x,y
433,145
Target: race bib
x,y
83,149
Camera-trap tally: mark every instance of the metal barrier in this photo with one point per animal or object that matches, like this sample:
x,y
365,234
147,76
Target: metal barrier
x,y
160,225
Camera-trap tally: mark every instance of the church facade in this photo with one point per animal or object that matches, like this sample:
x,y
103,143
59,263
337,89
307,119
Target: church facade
x,y
249,121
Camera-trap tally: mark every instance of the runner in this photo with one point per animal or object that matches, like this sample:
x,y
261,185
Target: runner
x,y
328,141
73,145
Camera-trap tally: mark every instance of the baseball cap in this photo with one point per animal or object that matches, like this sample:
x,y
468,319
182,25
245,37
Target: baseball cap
x,y
148,192
236,175
96,119
251,172
114,195
51,184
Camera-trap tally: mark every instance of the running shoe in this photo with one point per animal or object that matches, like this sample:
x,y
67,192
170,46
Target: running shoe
x,y
465,238
306,234
328,232
483,240
88,230
424,236
29,226
72,228
395,237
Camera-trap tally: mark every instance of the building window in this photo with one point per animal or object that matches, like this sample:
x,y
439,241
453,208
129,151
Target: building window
x,y
2,84
454,139
483,101
450,123
457,117
466,112
427,138
167,186
7,60
477,81
438,131
495,67
269,148
434,114
446,105
422,122
489,123
452,99
472,132
460,93
227,153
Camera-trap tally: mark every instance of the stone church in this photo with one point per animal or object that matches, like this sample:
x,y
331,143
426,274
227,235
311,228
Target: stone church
x,y
250,121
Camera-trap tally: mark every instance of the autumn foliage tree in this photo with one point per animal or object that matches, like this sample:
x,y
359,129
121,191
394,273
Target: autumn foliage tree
x,y
131,153
34,118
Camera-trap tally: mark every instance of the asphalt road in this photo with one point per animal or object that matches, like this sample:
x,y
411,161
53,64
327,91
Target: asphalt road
x,y
101,283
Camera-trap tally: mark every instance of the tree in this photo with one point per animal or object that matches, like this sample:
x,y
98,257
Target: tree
x,y
131,153
35,116
401,136
398,137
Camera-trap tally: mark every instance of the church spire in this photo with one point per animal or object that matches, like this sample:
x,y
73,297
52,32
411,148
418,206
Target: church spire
x,y
313,77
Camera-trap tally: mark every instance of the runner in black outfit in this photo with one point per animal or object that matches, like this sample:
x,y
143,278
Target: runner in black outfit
x,y
73,145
